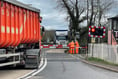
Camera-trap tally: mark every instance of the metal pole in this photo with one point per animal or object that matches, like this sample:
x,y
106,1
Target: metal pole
x,y
92,48
98,2
87,27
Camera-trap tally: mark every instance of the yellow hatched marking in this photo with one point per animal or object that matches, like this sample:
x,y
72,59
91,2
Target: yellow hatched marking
x,y
2,11
8,29
12,30
3,29
12,14
16,30
21,28
7,13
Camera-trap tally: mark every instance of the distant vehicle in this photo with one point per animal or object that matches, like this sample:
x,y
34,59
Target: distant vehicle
x,y
61,37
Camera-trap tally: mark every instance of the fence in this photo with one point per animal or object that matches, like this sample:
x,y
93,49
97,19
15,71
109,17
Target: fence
x,y
103,51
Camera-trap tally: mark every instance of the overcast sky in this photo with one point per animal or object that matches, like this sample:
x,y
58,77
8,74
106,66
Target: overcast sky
x,y
52,17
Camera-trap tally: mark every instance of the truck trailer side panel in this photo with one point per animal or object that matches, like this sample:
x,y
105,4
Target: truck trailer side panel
x,y
19,34
2,24
17,25
8,40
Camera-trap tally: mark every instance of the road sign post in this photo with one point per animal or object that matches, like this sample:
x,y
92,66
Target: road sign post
x,y
96,32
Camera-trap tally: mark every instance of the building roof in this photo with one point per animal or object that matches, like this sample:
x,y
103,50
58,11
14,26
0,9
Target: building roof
x,y
115,17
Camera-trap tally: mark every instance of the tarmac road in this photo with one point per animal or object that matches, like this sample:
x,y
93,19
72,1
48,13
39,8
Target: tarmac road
x,y
63,66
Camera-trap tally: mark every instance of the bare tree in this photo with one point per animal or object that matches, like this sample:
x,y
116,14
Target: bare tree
x,y
74,10
81,10
96,9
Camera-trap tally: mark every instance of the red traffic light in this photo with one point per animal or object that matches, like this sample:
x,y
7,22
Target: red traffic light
x,y
98,32
92,29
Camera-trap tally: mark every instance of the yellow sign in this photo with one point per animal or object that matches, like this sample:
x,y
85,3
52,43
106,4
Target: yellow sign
x,y
92,40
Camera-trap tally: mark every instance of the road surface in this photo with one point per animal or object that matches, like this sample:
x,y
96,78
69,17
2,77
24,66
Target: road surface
x,y
64,66
12,73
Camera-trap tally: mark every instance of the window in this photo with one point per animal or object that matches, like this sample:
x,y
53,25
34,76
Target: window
x,y
61,37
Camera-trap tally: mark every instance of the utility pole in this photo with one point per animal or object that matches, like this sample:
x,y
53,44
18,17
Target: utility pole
x,y
87,27
87,12
98,3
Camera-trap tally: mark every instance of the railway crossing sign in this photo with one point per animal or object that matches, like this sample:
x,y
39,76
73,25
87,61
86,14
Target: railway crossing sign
x,y
97,32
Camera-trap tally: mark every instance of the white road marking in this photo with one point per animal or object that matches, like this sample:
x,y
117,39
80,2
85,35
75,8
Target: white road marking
x,y
34,71
39,70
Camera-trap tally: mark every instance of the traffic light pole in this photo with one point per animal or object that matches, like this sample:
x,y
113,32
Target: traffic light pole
x,y
92,41
99,40
88,28
94,33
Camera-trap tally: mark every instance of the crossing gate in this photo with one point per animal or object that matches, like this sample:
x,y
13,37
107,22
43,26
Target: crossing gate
x,y
54,46
58,46
82,49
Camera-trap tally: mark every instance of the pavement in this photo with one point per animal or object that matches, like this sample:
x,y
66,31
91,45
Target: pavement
x,y
12,73
97,64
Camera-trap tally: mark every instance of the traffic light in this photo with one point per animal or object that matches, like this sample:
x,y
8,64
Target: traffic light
x,y
93,30
96,32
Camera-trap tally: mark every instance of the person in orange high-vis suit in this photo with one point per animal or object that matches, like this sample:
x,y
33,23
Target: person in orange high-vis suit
x,y
72,47
77,47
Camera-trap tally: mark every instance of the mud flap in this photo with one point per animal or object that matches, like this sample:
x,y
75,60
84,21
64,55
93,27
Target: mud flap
x,y
32,59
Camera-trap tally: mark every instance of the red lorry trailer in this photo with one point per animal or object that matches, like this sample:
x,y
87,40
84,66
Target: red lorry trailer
x,y
19,34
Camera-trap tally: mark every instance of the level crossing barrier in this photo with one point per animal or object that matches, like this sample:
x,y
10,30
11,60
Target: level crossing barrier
x,y
61,47
54,46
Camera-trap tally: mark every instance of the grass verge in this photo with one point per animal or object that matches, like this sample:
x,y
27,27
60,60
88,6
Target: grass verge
x,y
93,59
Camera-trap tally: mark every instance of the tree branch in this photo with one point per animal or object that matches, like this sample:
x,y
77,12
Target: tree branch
x,y
68,8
